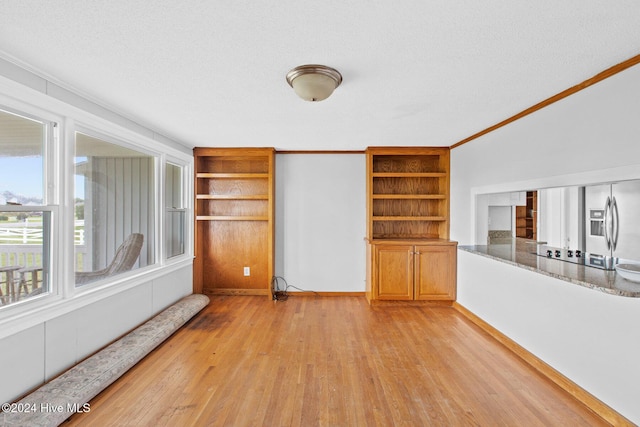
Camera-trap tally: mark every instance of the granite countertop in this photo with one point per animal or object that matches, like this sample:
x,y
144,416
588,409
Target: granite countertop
x,y
522,253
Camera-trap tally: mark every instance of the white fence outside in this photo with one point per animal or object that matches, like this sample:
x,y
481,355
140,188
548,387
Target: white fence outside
x,y
22,245
31,255
26,234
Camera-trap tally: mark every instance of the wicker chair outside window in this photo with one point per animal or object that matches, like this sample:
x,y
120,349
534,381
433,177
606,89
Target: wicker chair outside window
x,y
125,258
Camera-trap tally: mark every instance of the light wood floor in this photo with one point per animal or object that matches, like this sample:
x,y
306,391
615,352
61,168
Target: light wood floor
x,y
331,361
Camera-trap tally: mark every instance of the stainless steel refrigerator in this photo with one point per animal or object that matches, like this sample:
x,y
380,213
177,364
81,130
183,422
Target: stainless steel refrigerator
x,y
612,225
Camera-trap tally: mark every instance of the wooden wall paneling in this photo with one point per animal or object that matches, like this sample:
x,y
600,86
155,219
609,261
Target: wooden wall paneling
x,y
230,246
199,237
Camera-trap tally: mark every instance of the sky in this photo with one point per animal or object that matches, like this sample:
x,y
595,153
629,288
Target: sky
x,y
21,175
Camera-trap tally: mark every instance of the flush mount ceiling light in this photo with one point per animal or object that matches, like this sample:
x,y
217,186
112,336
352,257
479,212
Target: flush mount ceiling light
x,y
314,82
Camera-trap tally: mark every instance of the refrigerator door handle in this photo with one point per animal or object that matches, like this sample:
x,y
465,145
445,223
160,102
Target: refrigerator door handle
x,y
614,225
607,222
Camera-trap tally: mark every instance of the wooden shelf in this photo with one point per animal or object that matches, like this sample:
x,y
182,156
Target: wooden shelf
x,y
409,218
408,192
409,174
234,220
409,196
231,218
232,196
232,175
527,217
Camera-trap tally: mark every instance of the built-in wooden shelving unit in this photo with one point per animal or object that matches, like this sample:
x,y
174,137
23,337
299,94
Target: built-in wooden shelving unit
x,y
408,193
527,217
409,254
234,220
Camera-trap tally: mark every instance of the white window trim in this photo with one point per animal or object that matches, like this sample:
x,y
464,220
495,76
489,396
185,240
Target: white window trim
x,y
187,181
73,113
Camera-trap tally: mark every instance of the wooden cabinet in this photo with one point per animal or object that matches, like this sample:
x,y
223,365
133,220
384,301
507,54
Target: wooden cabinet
x,y
414,272
527,217
435,272
409,254
393,272
234,207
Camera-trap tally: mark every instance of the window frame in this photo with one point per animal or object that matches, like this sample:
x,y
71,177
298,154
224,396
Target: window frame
x,y
110,138
185,207
50,202
73,113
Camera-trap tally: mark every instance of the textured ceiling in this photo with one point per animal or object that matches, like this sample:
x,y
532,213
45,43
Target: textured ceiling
x,y
422,72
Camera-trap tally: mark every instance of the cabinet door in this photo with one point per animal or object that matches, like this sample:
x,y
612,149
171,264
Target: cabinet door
x,y
435,272
394,272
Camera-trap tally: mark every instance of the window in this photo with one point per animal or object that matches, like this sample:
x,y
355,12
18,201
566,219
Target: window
x,y
114,209
25,216
175,212
94,190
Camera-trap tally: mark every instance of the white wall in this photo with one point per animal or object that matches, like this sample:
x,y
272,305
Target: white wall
x,y
500,217
589,137
39,353
589,336
321,221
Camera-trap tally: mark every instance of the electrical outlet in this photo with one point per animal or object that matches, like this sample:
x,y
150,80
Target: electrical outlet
x,y
247,271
